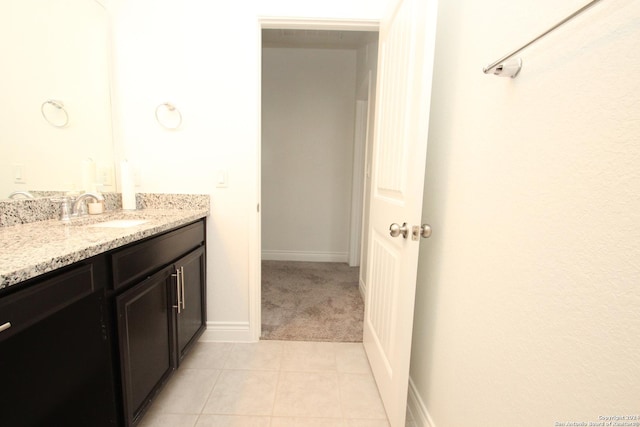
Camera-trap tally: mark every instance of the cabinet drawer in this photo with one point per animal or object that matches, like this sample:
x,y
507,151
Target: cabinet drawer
x,y
27,307
139,260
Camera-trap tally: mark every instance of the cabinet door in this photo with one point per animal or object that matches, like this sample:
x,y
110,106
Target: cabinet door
x,y
55,364
191,318
145,330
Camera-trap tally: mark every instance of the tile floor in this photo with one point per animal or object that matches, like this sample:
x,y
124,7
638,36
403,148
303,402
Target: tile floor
x,y
270,384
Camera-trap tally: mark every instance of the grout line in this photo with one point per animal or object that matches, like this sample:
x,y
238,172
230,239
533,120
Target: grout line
x,y
340,394
228,354
280,356
340,399
280,372
275,394
210,391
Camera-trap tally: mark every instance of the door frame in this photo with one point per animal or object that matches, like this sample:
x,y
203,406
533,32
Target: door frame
x,y
359,166
255,228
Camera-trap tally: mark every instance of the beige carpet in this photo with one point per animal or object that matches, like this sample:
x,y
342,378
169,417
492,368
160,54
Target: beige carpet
x,y
311,301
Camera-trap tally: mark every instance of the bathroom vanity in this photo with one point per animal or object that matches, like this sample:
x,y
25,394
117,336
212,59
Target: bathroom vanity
x,y
56,364
95,318
159,298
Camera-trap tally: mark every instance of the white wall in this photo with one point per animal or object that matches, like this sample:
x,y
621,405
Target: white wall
x,y
527,301
308,109
205,58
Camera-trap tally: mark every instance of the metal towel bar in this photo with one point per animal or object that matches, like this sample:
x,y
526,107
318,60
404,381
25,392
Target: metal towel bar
x,y
497,66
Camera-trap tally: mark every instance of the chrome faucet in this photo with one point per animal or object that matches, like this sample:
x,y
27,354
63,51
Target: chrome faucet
x,y
79,207
26,194
65,207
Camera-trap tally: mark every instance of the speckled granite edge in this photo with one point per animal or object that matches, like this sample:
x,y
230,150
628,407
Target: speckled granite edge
x,y
29,250
13,212
25,211
172,201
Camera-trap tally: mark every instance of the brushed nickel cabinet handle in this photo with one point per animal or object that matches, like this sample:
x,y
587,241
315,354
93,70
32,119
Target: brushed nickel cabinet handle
x,y
182,281
5,326
177,276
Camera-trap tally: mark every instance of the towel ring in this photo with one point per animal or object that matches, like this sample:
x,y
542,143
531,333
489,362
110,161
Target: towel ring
x,y
164,119
60,107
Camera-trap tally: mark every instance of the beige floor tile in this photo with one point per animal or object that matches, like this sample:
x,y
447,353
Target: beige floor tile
x,y
367,423
270,384
207,355
307,422
239,392
308,394
155,419
359,397
232,421
186,392
262,355
351,358
306,356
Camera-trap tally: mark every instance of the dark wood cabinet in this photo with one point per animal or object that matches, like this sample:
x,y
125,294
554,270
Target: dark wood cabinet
x,y
137,260
161,312
191,316
92,343
145,334
55,360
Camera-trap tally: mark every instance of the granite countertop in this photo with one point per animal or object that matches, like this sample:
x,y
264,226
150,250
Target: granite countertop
x,y
29,250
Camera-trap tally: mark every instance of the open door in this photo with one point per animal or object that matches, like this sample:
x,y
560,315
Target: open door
x,y
405,66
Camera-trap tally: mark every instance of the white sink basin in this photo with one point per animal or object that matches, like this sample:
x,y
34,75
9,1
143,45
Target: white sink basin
x,y
120,223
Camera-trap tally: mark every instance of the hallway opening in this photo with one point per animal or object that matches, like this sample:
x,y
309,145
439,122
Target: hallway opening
x,y
317,109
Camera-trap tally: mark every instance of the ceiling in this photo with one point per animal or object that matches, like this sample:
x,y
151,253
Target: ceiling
x,y
318,39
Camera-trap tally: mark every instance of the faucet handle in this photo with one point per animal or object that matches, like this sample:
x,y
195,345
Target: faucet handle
x,y
82,208
65,207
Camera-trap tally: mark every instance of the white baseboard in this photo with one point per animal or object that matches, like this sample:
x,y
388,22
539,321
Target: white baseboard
x,y
417,407
363,289
305,256
227,332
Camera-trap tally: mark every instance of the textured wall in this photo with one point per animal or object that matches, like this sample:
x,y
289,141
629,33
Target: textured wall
x,y
528,296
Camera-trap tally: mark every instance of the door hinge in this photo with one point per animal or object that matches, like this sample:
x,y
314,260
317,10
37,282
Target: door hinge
x,y
258,207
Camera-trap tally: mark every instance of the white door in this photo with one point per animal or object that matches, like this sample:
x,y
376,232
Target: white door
x,y
405,64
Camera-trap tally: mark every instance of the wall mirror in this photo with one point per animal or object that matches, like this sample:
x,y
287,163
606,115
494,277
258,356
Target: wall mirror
x,y
55,112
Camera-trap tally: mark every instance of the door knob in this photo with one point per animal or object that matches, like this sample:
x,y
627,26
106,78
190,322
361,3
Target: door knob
x,y
395,230
425,231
